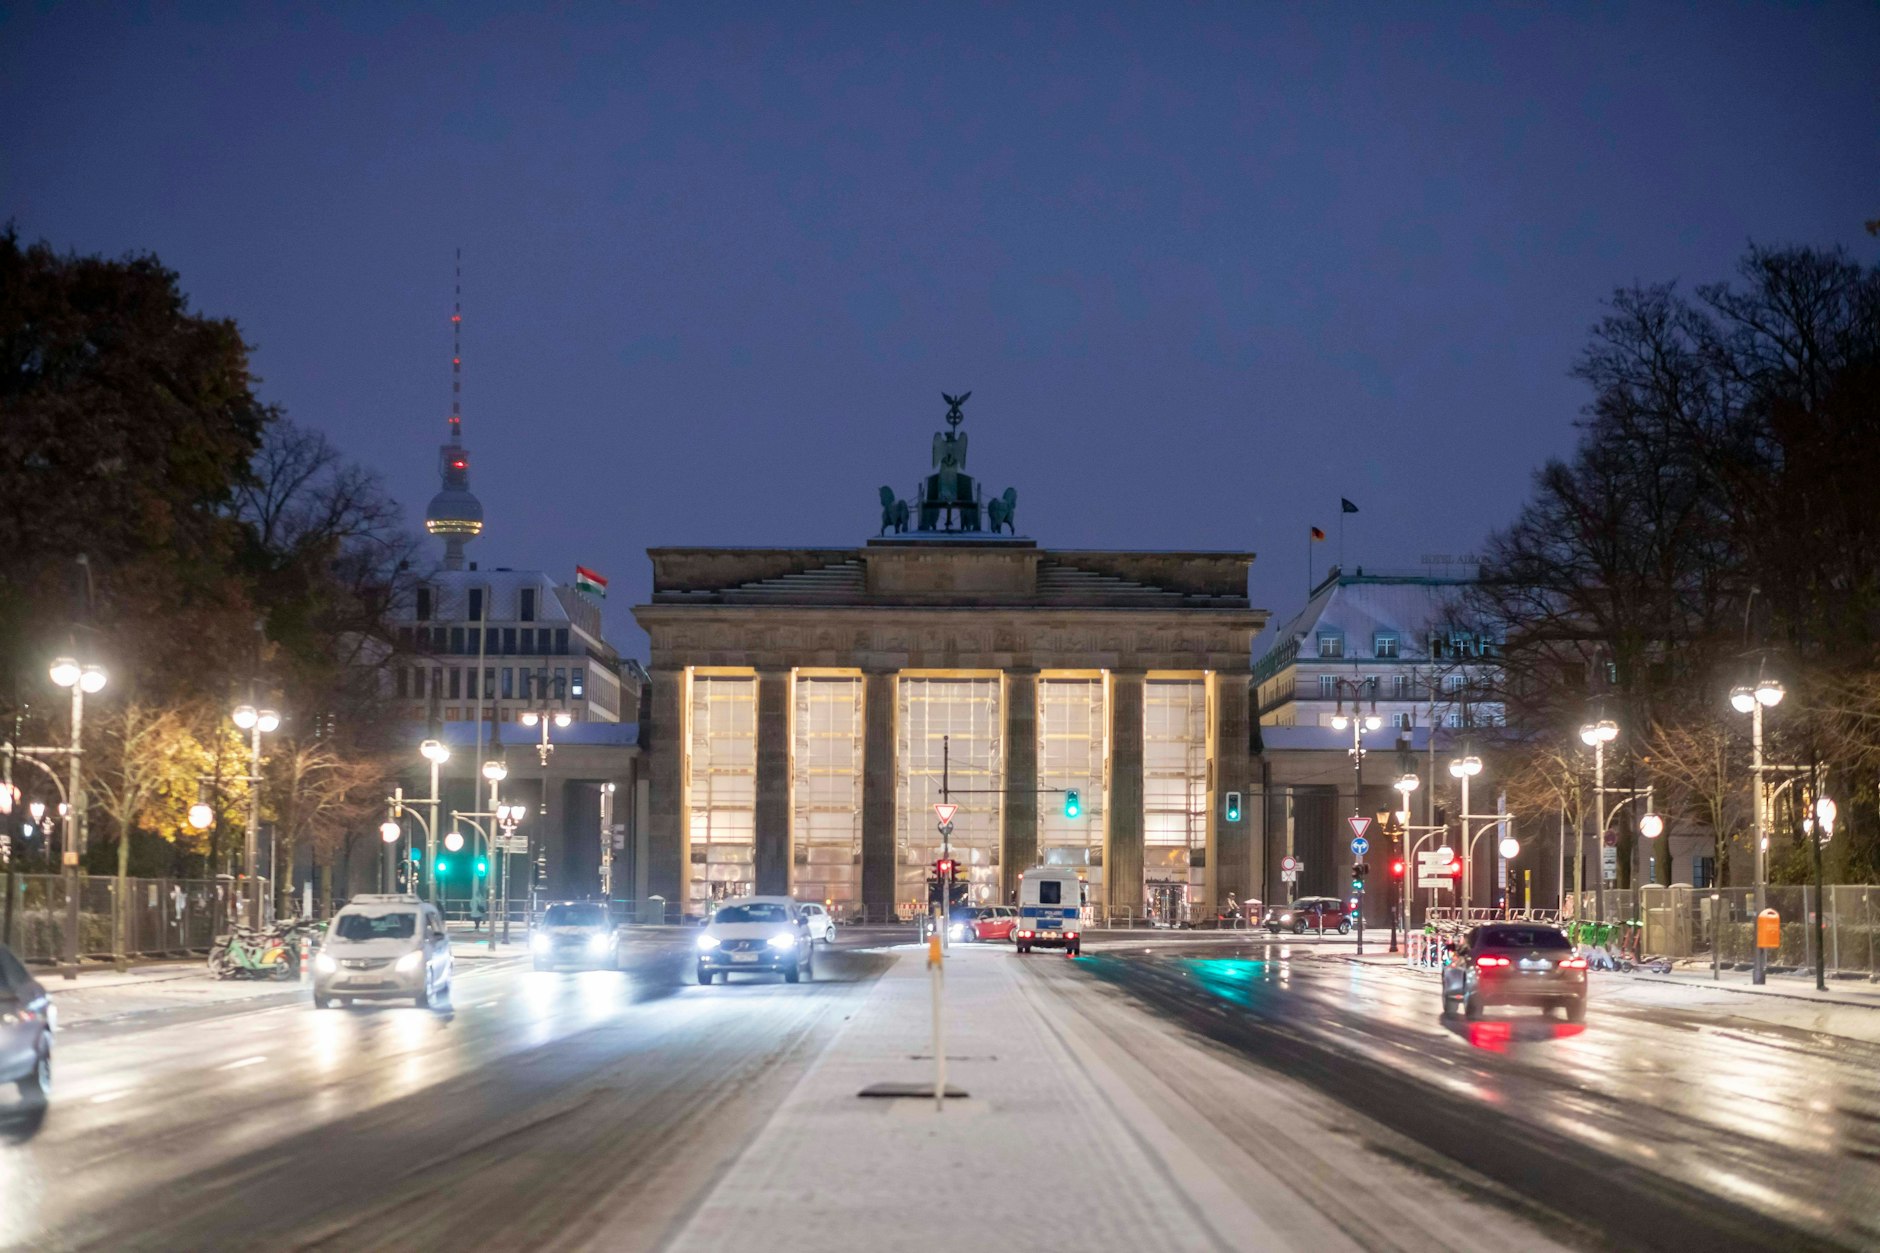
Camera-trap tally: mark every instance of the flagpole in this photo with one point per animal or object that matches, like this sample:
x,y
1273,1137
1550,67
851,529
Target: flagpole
x,y
1309,542
1341,537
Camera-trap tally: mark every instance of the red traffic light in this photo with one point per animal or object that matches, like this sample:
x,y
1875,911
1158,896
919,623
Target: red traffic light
x,y
943,867
1396,867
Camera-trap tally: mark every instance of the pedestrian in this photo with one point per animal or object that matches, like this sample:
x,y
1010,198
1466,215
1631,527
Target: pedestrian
x,y
478,910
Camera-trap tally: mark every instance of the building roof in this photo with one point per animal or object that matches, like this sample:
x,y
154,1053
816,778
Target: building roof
x,y
519,738
1359,607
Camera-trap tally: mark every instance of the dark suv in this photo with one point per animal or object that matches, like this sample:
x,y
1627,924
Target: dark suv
x,y
1310,913
1516,963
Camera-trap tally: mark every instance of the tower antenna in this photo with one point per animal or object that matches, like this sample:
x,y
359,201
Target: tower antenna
x,y
455,514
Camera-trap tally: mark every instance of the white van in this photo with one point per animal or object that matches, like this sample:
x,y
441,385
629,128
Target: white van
x,y
1050,910
383,946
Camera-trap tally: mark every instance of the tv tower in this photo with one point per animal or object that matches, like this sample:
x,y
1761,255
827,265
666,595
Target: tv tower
x,y
455,513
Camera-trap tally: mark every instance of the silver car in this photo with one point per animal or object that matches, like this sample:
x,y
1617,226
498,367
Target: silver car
x,y
25,1031
383,948
758,935
1515,963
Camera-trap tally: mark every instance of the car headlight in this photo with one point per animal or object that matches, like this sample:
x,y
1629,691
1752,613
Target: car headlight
x,y
957,930
539,942
410,962
707,942
783,939
324,964
597,944
1285,917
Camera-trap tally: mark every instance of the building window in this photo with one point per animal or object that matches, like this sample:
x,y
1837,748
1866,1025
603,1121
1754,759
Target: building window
x,y
450,713
525,607
528,641
576,688
1073,725
1331,644
476,604
1328,687
1385,646
489,682
509,683
1703,872
561,683
1174,792
423,609
456,683
437,682
509,641
826,792
404,680
1403,721
721,788
1453,683
522,680
473,640
456,640
967,710
561,641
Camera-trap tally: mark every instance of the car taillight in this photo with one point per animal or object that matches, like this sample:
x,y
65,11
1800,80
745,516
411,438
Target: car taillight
x,y
1573,963
1491,961
1070,935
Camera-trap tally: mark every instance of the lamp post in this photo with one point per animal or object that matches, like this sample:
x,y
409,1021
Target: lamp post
x,y
435,752
1400,909
496,771
1464,769
1595,735
1820,828
543,749
1766,694
389,831
1359,723
84,678
257,722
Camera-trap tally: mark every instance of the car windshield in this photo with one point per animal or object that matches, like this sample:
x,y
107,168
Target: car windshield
x,y
752,913
575,916
1524,937
399,926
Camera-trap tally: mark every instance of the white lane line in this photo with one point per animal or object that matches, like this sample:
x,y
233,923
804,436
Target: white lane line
x,y
486,1004
246,1061
106,1097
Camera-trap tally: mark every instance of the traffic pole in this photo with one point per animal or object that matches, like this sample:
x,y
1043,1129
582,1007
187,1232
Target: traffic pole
x,y
936,963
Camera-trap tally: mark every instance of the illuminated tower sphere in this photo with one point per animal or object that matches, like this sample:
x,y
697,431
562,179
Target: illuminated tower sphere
x,y
455,513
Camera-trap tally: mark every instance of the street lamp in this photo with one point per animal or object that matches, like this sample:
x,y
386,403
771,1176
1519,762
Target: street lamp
x,y
1464,769
454,841
1766,694
389,831
201,816
84,678
1595,735
257,722
437,753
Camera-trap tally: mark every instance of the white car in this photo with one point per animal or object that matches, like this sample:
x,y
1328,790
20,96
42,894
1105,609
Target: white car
x,y
383,947
758,934
822,927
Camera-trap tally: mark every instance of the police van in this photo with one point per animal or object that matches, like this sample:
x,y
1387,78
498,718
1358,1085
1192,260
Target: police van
x,y
1050,910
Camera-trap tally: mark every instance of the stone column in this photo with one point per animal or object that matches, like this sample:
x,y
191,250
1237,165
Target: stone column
x,y
773,847
880,707
1231,855
1122,834
1018,842
668,855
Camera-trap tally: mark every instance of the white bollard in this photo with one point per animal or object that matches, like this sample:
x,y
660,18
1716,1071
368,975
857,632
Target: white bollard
x,y
936,963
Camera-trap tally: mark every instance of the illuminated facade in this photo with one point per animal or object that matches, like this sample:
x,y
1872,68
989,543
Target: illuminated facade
x,y
809,705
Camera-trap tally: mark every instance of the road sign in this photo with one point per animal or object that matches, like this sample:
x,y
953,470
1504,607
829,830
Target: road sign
x,y
1360,826
511,843
1612,839
945,813
1435,870
1289,876
1289,863
1360,846
1609,864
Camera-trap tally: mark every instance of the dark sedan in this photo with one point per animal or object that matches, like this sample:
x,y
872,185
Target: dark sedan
x,y
25,1031
1509,963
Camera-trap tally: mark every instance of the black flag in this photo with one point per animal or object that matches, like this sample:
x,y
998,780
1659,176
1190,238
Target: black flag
x,y
1346,506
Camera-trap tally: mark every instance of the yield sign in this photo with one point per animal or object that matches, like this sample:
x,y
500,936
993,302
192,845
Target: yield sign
x,y
946,813
1359,826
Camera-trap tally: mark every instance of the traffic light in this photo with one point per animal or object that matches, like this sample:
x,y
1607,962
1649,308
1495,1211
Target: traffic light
x,y
443,867
1358,873
1231,808
1073,804
1396,867
417,855
943,869
483,866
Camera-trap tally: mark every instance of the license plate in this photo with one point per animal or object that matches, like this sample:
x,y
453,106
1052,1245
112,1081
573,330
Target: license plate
x,y
744,957
1052,925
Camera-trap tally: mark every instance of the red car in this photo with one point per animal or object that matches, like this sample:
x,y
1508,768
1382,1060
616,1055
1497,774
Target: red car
x,y
994,922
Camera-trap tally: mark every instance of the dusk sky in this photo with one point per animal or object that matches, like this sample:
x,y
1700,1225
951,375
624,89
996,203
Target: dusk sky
x,y
1205,268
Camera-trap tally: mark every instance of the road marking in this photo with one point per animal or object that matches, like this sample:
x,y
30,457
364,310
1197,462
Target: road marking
x,y
486,1004
246,1061
105,1097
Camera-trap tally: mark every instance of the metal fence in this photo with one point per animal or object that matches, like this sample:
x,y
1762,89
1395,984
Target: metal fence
x,y
161,916
1682,921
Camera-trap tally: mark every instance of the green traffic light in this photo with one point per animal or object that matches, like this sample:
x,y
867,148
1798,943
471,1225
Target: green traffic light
x,y
1073,805
443,866
417,855
1233,806
483,866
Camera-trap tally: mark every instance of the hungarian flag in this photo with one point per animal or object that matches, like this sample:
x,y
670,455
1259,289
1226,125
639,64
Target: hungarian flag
x,y
585,580
1317,534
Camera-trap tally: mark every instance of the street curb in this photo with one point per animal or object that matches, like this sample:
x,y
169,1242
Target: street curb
x,y
1813,998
